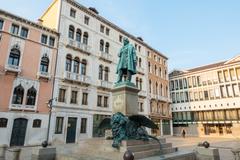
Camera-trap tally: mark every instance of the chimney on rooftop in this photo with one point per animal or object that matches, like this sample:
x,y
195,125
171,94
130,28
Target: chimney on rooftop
x,y
140,38
93,10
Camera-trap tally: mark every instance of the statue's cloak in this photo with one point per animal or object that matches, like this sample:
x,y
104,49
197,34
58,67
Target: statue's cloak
x,y
127,59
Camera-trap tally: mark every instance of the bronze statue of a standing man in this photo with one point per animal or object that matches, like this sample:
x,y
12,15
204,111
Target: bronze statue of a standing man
x,y
127,61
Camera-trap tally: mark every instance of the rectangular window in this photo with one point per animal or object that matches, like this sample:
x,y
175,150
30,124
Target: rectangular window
x,y
3,122
86,20
238,73
85,99
44,39
83,125
223,91
99,101
226,75
220,76
73,13
141,107
59,125
206,95
120,38
61,95
232,74
15,29
235,90
180,84
37,123
107,31
102,28
51,41
1,24
74,97
229,90
106,102
24,32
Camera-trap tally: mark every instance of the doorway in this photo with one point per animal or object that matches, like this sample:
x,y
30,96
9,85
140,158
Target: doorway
x,y
71,130
18,132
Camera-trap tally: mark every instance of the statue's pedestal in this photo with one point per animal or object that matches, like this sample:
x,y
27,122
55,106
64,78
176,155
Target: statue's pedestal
x,y
125,98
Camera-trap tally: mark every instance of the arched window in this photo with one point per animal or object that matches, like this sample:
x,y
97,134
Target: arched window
x,y
137,82
140,62
150,86
44,64
18,94
68,63
78,35
76,65
166,93
161,88
155,71
71,32
85,38
3,122
160,72
14,57
156,88
31,96
83,67
100,73
106,73
101,45
107,47
140,83
149,67
37,123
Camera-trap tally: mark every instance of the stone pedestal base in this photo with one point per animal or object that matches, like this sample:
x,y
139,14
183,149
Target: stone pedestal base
x,y
3,151
125,99
207,153
12,154
44,154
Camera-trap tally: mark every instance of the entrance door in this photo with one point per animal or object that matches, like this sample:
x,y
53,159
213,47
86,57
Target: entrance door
x,y
18,132
71,130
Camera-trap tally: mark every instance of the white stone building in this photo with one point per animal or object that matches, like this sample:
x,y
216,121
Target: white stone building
x,y
86,69
205,100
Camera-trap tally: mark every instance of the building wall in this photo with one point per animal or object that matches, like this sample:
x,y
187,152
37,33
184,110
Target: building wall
x,y
27,74
158,92
91,52
208,95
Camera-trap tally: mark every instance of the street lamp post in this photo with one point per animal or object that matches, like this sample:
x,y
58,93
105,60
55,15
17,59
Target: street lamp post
x,y
45,143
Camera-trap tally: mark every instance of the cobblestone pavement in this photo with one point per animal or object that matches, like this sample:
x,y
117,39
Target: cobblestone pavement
x,y
224,144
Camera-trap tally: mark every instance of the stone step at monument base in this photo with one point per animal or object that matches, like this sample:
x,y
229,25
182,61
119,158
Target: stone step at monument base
x,y
179,155
143,149
153,152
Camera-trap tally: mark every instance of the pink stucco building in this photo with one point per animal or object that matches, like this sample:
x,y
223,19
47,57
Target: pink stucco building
x,y
28,54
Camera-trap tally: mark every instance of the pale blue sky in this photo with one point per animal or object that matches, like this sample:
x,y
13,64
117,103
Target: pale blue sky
x,y
191,33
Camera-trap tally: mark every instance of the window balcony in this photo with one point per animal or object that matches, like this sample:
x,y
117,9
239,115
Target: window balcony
x,y
162,98
75,77
106,56
43,75
140,70
23,107
142,93
83,47
78,46
12,68
105,84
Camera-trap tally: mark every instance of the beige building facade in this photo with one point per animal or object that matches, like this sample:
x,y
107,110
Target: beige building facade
x,y
205,100
158,91
28,54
